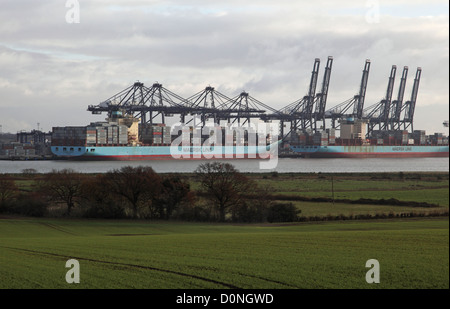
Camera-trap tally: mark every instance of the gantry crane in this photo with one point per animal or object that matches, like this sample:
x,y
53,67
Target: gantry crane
x,y
321,97
378,114
352,107
308,113
410,105
144,103
396,106
300,112
209,102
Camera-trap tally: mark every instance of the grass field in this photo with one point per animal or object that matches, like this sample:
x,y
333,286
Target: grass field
x,y
413,253
432,188
420,187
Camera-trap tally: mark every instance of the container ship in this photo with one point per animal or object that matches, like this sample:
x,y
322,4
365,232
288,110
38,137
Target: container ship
x,y
125,138
353,142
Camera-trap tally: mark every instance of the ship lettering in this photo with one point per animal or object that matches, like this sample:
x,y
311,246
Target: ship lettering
x,y
401,148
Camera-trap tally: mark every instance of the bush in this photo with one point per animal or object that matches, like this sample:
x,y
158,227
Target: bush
x,y
249,213
200,213
105,211
26,205
29,171
283,212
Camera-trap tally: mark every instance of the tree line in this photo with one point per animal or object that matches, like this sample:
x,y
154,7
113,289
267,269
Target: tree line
x,y
224,194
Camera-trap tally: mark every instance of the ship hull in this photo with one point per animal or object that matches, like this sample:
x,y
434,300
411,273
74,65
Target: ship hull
x,y
135,153
371,151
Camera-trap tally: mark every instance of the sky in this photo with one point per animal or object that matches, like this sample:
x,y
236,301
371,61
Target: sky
x,y
59,56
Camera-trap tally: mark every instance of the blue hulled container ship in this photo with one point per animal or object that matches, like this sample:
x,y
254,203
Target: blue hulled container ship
x,y
127,139
354,142
371,151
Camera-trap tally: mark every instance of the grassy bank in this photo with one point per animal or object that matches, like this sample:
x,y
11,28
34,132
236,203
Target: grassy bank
x,y
413,253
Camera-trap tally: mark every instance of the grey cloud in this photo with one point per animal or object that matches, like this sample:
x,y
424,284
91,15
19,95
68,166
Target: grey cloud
x,y
262,47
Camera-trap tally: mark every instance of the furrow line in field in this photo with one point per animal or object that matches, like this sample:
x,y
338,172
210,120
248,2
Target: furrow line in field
x,y
270,280
227,285
58,228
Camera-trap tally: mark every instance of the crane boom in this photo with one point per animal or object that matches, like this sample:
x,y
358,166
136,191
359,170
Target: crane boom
x,y
411,104
386,103
320,107
302,111
359,106
396,107
312,90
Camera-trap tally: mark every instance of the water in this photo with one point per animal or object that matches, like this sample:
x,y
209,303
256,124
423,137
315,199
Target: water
x,y
285,165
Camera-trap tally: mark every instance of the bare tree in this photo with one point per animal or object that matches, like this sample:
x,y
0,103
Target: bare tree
x,y
223,185
63,186
174,192
8,189
137,186
98,200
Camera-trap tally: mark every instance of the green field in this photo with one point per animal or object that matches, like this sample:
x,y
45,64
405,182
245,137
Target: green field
x,y
330,253
432,188
420,187
413,253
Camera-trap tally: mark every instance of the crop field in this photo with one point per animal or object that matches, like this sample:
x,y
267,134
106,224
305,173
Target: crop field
x,y
328,253
412,253
420,187
431,188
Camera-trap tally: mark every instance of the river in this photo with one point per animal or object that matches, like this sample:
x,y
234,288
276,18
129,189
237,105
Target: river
x,y
283,165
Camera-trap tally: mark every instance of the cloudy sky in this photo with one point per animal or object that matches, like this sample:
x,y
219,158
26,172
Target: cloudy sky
x,y
53,67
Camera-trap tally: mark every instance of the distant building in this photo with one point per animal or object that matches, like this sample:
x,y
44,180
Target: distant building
x,y
28,145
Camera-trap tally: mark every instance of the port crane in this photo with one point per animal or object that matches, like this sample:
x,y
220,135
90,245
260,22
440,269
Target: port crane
x,y
157,101
217,106
210,102
378,114
143,102
301,111
410,105
352,107
321,97
153,104
244,106
396,106
300,114
307,112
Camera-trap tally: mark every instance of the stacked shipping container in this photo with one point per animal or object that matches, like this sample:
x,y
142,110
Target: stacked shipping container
x,y
154,134
419,137
157,135
17,149
94,134
74,136
378,137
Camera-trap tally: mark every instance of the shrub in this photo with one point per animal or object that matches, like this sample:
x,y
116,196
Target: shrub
x,y
105,211
249,212
199,213
27,205
283,212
